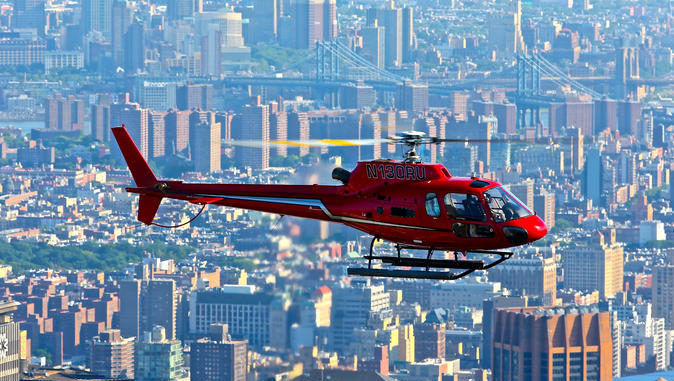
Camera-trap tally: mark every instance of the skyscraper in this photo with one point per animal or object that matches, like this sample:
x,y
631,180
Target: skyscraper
x,y
412,97
219,358
408,34
577,150
264,22
530,276
64,114
330,20
29,14
255,121
552,344
177,131
596,264
100,119
134,47
309,21
544,206
97,17
352,307
278,130
146,303
298,129
592,175
135,120
391,18
373,44
663,293
206,146
157,132
121,19
505,30
180,9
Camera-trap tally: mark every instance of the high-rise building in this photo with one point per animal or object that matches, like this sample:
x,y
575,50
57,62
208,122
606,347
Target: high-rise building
x,y
663,293
352,308
523,191
552,344
194,96
330,20
594,264
22,51
111,355
100,119
157,131
205,140
97,17
134,47
530,276
136,122
544,206
505,31
408,34
412,97
576,145
158,358
264,22
298,129
29,14
219,358
592,175
489,308
64,114
146,303
160,96
180,9
461,160
177,131
278,130
257,317
122,15
255,119
373,44
429,339
391,18
315,20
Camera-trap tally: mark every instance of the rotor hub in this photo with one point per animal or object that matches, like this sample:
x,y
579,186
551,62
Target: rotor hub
x,y
412,139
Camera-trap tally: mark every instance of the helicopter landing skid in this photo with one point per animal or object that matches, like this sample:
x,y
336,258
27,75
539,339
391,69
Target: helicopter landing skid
x,y
468,266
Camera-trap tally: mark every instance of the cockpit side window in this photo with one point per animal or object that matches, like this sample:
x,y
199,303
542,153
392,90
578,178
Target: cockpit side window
x,y
432,205
461,206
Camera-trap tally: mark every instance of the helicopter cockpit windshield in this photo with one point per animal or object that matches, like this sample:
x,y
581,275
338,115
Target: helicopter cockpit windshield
x,y
504,206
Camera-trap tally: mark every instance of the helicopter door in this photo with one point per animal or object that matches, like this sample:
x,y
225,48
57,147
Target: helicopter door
x,y
468,210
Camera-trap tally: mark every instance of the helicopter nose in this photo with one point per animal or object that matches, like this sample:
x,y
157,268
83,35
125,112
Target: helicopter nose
x,y
537,229
529,229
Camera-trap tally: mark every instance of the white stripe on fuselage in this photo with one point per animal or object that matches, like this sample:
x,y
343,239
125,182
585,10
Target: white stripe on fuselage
x,y
313,203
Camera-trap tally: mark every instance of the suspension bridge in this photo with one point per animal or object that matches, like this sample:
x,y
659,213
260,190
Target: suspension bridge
x,y
333,65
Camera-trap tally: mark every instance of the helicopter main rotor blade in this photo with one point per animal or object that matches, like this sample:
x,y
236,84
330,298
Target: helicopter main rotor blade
x,y
305,143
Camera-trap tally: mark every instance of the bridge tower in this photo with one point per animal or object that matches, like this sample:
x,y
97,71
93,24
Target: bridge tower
x,y
528,96
327,61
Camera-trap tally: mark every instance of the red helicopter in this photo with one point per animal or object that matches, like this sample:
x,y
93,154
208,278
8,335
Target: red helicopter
x,y
409,203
